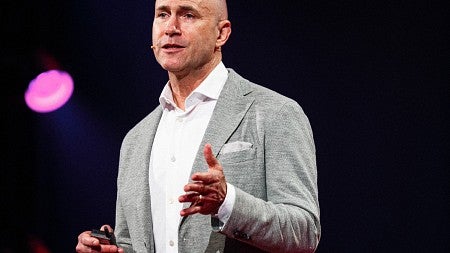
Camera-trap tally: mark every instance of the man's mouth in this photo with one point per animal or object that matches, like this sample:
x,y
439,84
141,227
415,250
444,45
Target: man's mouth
x,y
171,46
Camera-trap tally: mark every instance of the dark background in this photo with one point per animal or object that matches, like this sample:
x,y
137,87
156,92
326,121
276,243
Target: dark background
x,y
372,76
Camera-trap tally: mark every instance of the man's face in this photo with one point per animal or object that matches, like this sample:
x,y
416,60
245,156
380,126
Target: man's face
x,y
185,34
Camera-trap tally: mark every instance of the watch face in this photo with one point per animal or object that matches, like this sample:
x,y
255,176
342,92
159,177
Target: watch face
x,y
216,224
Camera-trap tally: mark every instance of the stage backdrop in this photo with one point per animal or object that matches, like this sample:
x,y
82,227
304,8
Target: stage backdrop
x,y
367,73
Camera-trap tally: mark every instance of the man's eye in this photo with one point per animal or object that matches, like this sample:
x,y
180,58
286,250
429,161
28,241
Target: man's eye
x,y
189,16
163,15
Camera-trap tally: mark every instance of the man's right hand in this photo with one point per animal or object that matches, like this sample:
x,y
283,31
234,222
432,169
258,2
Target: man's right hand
x,y
90,244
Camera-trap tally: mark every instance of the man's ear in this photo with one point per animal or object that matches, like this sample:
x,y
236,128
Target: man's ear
x,y
224,33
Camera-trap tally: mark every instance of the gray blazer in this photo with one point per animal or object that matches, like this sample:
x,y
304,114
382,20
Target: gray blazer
x,y
265,144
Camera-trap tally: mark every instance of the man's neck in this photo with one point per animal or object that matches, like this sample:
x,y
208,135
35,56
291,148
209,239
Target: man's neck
x,y
182,84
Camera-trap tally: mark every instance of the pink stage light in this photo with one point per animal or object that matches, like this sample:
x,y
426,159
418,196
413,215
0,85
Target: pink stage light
x,y
49,91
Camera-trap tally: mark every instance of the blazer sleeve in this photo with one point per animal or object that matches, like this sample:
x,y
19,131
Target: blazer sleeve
x,y
288,220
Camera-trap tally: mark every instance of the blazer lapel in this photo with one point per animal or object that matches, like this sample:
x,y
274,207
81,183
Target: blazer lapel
x,y
229,112
230,109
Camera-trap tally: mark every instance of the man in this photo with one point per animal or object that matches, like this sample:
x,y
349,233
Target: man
x,y
223,165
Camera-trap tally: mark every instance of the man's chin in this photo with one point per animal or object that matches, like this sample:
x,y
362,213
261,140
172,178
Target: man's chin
x,y
173,68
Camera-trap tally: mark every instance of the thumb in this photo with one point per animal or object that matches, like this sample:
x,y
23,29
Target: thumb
x,y
211,160
107,227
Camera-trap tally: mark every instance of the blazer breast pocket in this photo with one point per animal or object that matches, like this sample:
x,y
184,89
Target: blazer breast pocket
x,y
240,167
236,152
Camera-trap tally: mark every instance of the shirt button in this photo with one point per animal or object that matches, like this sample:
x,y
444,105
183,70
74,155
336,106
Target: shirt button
x,y
179,120
171,243
173,159
171,201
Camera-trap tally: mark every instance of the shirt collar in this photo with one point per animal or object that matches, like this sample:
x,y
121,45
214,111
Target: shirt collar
x,y
210,89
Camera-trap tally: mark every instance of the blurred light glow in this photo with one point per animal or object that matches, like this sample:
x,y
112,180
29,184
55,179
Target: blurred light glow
x,y
49,91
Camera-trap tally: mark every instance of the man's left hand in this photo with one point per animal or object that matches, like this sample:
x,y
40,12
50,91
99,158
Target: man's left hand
x,y
207,190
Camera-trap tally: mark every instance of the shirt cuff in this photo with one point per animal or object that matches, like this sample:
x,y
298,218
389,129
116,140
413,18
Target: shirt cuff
x,y
227,205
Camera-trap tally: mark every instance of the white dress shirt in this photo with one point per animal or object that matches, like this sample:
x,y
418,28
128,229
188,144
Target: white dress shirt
x,y
176,143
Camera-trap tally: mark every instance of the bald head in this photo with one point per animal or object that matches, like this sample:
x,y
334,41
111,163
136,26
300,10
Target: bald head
x,y
218,6
222,9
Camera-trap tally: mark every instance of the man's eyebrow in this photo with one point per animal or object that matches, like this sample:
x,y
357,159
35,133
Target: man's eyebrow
x,y
181,7
187,8
162,8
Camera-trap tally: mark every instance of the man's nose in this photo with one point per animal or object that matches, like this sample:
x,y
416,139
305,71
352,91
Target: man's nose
x,y
172,26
